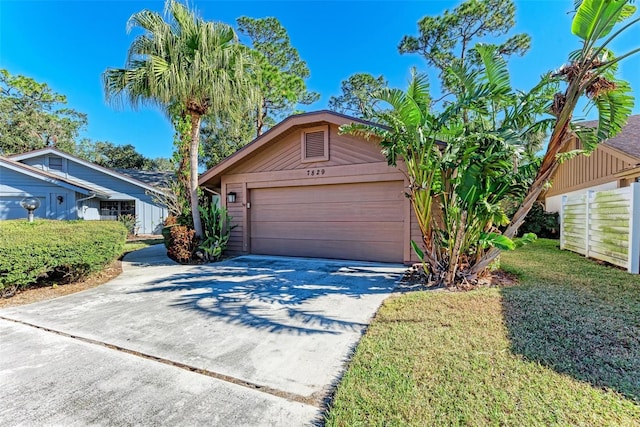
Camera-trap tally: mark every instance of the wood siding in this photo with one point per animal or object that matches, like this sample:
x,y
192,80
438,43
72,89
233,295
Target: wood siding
x,y
236,212
287,154
583,172
351,206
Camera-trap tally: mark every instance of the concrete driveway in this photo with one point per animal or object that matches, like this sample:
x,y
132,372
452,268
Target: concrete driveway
x,y
252,340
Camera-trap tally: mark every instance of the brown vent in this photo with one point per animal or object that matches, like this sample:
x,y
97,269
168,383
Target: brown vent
x,y
315,144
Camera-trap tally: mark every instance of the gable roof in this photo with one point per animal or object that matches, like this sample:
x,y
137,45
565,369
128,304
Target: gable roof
x,y
627,141
284,126
50,177
110,172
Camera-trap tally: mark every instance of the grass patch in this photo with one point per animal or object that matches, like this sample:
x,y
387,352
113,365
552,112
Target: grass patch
x,y
134,245
562,348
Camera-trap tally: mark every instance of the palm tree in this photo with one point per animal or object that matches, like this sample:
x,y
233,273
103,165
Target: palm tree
x,y
591,72
184,64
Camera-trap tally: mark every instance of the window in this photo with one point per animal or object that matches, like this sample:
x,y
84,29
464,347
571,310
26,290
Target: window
x,y
112,210
315,144
55,163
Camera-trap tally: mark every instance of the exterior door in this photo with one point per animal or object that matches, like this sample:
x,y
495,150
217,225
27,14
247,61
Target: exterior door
x,y
59,204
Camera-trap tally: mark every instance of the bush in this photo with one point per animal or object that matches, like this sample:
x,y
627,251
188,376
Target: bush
x,y
130,222
542,224
215,225
66,249
182,243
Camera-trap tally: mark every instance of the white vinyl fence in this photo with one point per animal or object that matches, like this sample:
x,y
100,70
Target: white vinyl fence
x,y
604,225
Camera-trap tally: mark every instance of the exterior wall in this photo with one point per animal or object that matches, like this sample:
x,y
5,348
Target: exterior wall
x,y
279,164
554,203
582,172
15,186
150,214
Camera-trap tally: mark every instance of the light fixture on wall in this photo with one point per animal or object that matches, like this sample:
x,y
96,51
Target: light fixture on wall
x,y
231,197
30,204
60,199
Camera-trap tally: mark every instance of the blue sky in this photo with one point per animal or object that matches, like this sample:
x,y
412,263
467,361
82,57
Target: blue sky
x,y
68,44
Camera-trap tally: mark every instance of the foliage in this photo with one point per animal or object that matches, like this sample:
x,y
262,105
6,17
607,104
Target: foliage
x,y
183,64
216,223
357,97
541,223
278,71
182,243
561,348
460,163
591,75
446,41
130,222
66,249
33,116
224,135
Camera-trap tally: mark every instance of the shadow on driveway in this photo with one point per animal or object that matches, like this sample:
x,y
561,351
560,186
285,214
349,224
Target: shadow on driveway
x,y
275,294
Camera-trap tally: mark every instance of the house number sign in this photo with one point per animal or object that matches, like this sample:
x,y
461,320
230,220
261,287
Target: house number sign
x,y
315,172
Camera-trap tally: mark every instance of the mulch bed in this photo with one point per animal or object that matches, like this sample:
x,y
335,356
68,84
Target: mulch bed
x,y
415,279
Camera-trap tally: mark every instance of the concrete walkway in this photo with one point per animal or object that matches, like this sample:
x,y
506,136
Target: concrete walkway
x,y
252,340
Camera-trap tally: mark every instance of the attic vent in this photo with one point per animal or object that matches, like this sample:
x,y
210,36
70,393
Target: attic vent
x,y
315,144
55,163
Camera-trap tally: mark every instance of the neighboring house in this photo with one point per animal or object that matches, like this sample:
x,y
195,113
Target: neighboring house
x,y
614,163
301,189
72,188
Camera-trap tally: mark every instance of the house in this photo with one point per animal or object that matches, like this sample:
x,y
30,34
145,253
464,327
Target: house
x,y
615,163
302,189
72,188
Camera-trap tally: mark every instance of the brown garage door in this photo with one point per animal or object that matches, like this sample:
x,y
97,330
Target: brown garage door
x,y
349,221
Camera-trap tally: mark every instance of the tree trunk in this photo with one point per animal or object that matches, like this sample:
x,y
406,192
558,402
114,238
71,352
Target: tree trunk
x,y
193,176
547,169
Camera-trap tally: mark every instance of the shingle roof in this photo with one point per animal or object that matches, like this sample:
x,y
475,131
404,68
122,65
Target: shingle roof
x,y
159,179
628,140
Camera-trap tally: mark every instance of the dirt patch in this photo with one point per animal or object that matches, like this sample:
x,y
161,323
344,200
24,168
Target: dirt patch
x,y
47,291
415,279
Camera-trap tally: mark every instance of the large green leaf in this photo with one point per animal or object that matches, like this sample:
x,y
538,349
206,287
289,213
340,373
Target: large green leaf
x,y
594,19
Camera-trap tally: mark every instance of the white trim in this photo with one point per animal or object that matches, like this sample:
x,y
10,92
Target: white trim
x,y
85,163
634,230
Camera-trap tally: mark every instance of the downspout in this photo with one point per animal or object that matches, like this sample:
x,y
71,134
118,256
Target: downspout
x,y
91,196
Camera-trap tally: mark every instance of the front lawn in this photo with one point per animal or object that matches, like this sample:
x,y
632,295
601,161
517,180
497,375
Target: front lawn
x,y
561,348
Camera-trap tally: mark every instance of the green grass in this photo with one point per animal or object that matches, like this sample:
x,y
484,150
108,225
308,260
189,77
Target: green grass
x,y
561,348
134,245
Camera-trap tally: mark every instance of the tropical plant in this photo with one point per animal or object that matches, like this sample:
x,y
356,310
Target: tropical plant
x,y
462,163
183,63
591,74
465,161
217,230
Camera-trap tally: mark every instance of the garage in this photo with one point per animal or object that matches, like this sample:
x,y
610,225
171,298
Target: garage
x,y
306,189
362,221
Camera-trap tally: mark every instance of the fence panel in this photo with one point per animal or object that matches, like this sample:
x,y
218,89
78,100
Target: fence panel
x,y
601,225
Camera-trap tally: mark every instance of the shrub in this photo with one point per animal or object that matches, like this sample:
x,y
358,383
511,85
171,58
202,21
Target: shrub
x,y
66,249
215,226
130,222
541,223
182,243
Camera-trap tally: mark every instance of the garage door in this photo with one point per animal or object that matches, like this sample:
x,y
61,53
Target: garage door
x,y
346,221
